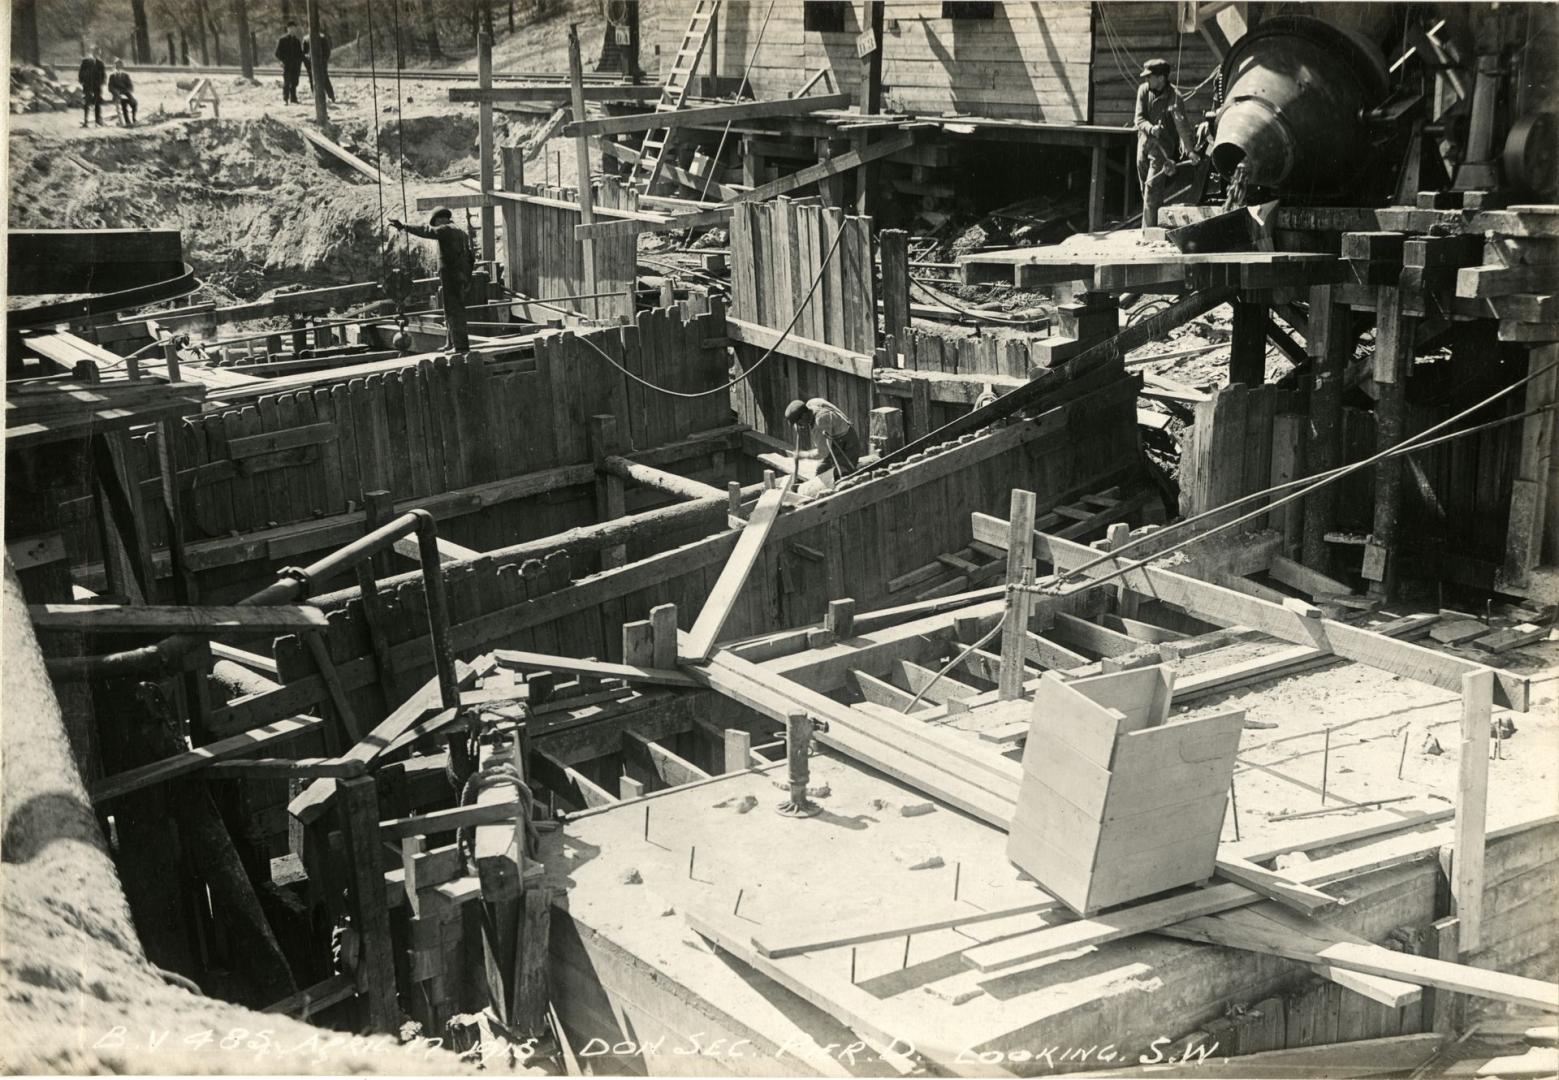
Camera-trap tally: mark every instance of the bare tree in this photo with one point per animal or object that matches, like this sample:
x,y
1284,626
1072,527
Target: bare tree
x,y
24,28
245,39
143,38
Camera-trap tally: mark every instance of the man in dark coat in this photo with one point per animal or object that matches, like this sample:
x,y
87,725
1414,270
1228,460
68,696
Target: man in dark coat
x,y
319,67
92,75
1162,133
456,261
122,90
289,50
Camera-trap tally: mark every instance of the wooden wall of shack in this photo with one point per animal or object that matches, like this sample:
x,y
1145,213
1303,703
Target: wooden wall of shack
x,y
1024,61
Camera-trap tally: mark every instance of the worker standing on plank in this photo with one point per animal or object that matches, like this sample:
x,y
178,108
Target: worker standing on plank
x,y
289,50
833,437
122,91
91,74
1162,130
456,263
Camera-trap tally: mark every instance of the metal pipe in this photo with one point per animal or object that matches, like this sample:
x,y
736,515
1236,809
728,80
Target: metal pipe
x,y
167,657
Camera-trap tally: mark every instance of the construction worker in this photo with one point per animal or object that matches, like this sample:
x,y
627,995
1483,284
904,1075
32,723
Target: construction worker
x,y
289,50
122,91
833,437
319,67
1162,131
456,262
91,75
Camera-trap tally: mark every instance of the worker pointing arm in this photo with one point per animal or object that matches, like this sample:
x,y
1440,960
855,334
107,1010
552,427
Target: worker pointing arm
x,y
456,261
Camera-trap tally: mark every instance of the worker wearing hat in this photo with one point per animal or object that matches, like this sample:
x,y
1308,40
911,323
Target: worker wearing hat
x,y
1162,132
456,262
833,438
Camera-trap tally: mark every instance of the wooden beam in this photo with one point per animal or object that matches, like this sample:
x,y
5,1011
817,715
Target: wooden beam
x,y
1472,791
705,115
1229,608
1020,604
700,641
672,769
175,618
832,167
780,941
552,93
817,352
340,153
1295,894
112,787
593,669
1137,919
442,821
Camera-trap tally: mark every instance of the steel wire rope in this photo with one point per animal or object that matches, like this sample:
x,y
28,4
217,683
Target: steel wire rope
x,y
1406,447
751,58
373,82
816,281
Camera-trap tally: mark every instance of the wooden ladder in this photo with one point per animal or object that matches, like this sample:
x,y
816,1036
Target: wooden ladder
x,y
652,153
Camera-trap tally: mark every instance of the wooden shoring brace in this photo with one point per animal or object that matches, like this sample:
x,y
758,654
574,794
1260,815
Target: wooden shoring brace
x,y
610,501
1472,791
377,510
582,162
375,964
1393,363
1020,602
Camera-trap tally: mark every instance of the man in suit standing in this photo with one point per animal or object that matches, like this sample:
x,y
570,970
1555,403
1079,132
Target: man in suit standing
x,y
92,75
289,50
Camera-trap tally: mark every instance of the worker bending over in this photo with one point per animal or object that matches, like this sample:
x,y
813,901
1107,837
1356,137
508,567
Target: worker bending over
x,y
1162,131
456,263
833,438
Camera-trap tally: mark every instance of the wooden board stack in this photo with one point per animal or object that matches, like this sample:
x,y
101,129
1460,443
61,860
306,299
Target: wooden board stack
x,y
1116,803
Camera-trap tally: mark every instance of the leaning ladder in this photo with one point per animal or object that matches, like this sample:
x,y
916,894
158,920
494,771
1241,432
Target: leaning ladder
x,y
652,153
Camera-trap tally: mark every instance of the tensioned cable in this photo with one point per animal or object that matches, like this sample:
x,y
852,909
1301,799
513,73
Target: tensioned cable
x,y
753,56
818,280
1311,484
1401,449
373,82
400,123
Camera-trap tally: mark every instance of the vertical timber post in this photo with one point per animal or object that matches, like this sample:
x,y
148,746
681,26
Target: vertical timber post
x,y
609,498
893,252
576,78
1248,344
513,180
1472,792
1330,345
1393,363
867,177
484,137
1014,635
375,965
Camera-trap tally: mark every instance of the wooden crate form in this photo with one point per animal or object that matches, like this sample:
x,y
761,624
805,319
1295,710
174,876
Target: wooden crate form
x,y
1117,801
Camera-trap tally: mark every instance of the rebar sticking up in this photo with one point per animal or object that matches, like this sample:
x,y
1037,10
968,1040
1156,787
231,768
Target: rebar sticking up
x,y
798,741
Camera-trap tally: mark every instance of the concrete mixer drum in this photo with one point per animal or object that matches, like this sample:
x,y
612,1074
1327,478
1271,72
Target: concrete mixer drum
x,y
1296,91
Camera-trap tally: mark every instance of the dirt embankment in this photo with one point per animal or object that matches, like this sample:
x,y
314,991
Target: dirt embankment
x,y
256,204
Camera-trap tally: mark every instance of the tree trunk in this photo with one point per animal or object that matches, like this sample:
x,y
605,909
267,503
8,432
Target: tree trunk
x,y
143,37
429,17
200,33
511,16
25,26
245,38
183,47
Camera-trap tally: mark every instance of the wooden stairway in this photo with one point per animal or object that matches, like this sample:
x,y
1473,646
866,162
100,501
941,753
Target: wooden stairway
x,y
673,94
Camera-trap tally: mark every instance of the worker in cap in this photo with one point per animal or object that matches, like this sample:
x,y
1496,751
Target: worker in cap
x,y
1162,132
456,263
824,425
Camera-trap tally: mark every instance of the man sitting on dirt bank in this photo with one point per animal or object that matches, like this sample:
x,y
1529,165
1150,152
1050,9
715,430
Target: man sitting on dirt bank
x,y
91,75
289,50
833,437
123,93
456,262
